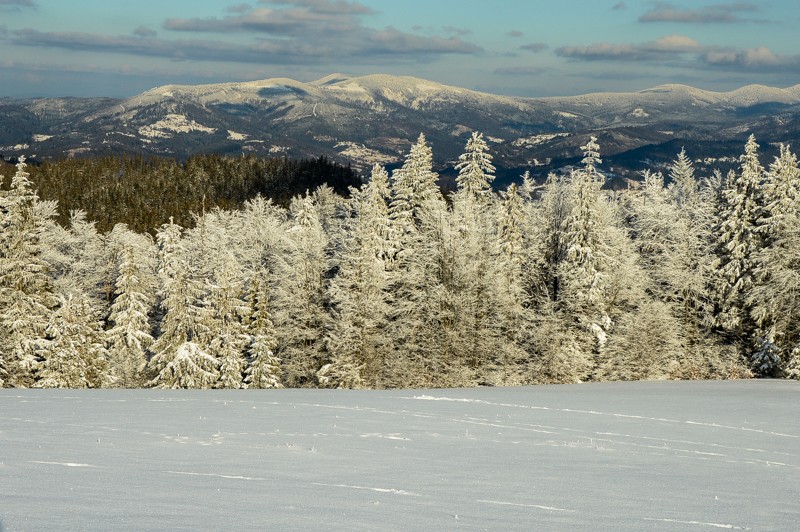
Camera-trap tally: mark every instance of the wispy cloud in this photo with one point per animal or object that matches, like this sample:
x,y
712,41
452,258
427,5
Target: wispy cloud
x,y
520,71
143,31
663,48
717,13
755,59
688,53
620,6
514,34
16,5
284,32
534,47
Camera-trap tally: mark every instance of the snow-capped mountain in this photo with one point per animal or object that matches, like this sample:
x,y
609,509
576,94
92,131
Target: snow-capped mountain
x,y
369,119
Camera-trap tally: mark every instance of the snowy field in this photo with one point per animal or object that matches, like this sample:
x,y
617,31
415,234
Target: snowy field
x,y
622,456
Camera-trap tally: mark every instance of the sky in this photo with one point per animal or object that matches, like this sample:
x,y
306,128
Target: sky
x,y
515,47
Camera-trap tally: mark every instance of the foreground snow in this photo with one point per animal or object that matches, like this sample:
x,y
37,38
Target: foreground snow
x,y
636,456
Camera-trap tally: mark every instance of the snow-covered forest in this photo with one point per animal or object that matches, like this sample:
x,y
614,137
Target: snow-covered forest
x,y
685,277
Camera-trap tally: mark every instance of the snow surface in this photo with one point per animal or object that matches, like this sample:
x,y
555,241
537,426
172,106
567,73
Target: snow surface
x,y
621,456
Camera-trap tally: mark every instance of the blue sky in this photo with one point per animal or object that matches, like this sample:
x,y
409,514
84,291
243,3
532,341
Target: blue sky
x,y
515,47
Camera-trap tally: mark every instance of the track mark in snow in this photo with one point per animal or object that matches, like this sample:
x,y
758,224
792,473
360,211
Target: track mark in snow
x,y
65,464
697,523
231,477
504,503
393,436
379,490
596,413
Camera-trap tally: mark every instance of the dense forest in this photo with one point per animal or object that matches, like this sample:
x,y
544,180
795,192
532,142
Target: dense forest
x,y
394,284
143,193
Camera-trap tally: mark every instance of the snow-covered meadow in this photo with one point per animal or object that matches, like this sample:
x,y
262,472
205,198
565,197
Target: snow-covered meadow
x,y
605,456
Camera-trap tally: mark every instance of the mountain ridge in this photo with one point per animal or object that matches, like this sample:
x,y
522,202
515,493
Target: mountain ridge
x,y
362,120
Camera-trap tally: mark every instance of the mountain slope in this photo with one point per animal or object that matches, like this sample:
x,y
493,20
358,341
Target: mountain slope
x,y
375,118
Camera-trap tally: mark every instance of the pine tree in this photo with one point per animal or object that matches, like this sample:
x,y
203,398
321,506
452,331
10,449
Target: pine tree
x,y
264,368
475,169
26,291
357,341
738,242
774,301
300,315
129,338
228,340
684,185
179,358
75,355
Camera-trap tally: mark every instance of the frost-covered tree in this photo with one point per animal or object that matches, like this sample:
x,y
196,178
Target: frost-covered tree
x,y
738,242
26,289
130,334
475,169
414,189
300,314
75,355
180,359
357,341
264,368
228,339
684,187
775,297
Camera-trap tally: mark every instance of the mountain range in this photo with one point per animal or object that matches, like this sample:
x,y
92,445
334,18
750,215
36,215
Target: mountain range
x,y
376,118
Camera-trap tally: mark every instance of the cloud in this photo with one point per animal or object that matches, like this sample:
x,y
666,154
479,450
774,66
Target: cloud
x,y
718,13
534,47
3,31
9,6
514,34
756,59
688,52
335,7
620,6
456,31
143,31
667,47
239,8
310,32
520,71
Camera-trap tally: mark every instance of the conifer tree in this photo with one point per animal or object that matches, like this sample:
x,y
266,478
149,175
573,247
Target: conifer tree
x,y
300,315
738,242
75,355
179,357
774,301
26,291
264,368
228,339
130,336
357,342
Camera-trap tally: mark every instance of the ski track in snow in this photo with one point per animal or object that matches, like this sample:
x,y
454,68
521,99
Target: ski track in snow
x,y
64,464
216,475
393,491
523,505
597,413
696,523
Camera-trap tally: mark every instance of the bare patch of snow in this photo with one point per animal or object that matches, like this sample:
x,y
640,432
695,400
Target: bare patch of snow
x,y
640,113
535,140
232,135
41,138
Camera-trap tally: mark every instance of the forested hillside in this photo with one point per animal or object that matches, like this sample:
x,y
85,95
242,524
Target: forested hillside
x,y
396,285
144,192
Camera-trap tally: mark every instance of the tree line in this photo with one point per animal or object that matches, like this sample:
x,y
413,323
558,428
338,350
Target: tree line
x,y
396,285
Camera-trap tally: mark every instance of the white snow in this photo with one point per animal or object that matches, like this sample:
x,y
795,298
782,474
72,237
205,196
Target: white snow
x,y
611,456
41,138
232,135
640,113
172,123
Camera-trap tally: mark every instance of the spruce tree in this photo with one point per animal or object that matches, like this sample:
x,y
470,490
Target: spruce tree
x,y
26,290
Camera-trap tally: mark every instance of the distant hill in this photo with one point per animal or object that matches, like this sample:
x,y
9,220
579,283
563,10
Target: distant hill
x,y
364,120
